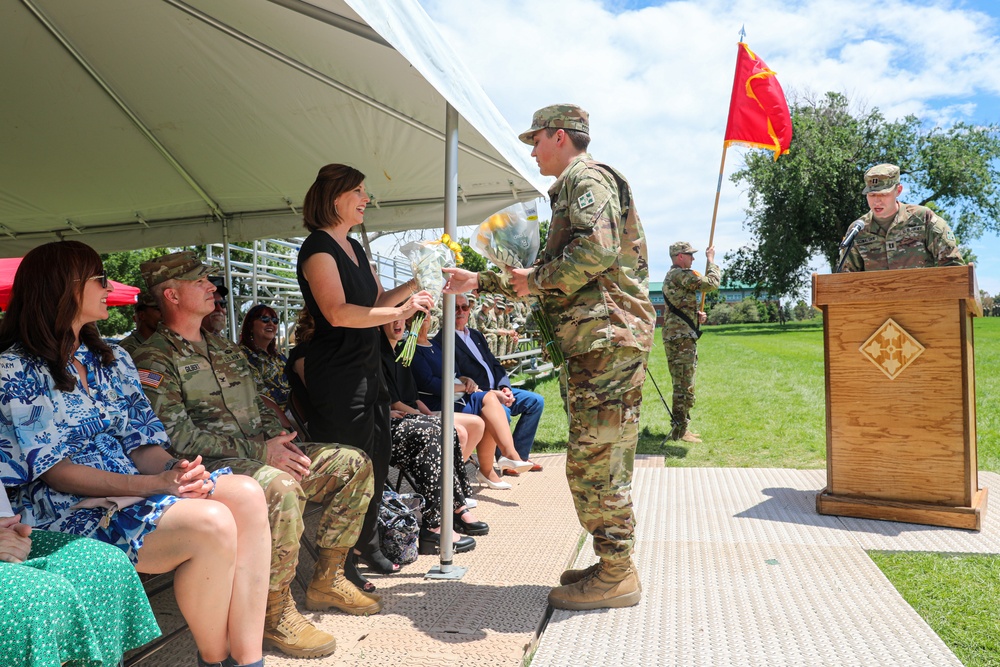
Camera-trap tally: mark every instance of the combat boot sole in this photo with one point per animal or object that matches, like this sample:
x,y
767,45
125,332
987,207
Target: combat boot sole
x,y
274,644
325,603
595,593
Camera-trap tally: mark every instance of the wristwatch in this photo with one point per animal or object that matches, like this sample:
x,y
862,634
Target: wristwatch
x,y
171,462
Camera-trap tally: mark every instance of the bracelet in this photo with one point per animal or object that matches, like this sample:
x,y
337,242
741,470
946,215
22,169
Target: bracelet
x,y
169,465
415,288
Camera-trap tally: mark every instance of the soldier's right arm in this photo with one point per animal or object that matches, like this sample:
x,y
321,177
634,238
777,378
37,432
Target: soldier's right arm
x,y
164,389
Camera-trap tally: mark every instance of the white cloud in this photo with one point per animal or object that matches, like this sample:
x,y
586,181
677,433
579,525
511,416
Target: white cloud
x,y
657,81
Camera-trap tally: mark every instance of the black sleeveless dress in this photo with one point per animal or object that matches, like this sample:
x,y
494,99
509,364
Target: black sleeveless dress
x,y
343,369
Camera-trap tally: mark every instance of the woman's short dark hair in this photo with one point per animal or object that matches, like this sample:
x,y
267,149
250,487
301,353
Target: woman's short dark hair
x,y
45,299
246,331
332,181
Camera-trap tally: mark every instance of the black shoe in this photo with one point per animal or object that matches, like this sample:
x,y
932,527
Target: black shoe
x,y
469,527
430,543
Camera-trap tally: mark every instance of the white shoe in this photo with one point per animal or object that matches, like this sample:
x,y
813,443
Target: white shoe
x,y
505,463
486,481
471,503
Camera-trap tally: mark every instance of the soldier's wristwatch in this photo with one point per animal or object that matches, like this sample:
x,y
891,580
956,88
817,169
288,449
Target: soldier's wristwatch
x,y
169,465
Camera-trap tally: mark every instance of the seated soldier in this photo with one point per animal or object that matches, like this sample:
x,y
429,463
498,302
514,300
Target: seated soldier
x,y
146,317
201,388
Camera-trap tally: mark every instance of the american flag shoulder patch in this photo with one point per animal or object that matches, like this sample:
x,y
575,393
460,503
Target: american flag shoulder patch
x,y
150,378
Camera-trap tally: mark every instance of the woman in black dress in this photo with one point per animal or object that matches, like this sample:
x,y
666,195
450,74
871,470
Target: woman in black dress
x,y
350,405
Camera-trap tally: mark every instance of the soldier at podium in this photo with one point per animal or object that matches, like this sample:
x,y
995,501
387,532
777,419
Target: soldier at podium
x,y
898,235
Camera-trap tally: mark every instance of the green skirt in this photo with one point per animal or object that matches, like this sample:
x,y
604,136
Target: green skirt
x,y
75,600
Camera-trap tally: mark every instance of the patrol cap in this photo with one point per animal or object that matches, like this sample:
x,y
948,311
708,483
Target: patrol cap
x,y
145,300
183,265
220,285
681,247
564,116
486,300
881,177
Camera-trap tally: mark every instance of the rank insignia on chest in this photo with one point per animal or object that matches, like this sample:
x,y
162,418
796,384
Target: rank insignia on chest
x,y
890,245
585,200
149,378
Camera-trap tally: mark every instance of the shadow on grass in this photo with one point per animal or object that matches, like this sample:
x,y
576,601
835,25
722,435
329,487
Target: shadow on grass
x,y
764,329
655,442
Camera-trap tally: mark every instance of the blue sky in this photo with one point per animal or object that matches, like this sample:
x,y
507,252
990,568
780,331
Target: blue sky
x,y
656,78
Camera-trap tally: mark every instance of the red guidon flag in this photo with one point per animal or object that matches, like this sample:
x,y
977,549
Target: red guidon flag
x,y
758,112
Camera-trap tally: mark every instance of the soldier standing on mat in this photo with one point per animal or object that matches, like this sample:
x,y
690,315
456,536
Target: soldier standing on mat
x,y
593,280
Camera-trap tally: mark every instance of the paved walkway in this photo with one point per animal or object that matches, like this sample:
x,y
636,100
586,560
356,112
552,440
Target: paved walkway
x,y
737,569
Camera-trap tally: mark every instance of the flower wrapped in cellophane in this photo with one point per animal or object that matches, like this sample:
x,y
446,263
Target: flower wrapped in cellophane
x,y
427,259
510,240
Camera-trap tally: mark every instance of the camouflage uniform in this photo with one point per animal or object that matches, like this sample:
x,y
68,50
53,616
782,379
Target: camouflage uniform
x,y
914,238
488,323
134,340
592,279
681,287
210,406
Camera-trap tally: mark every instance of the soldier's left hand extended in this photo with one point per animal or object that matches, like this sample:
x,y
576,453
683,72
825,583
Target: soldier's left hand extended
x,y
460,280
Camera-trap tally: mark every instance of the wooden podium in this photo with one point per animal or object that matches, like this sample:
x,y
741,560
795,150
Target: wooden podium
x,y
901,396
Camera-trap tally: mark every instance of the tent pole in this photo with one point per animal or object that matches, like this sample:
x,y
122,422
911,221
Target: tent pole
x,y
230,306
446,569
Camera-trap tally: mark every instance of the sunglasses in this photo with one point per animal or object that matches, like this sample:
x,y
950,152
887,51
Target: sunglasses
x,y
267,319
464,308
103,278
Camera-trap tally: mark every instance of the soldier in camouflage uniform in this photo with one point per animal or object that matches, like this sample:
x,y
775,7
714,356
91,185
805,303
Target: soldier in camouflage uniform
x,y
488,322
593,281
681,288
147,316
898,235
200,386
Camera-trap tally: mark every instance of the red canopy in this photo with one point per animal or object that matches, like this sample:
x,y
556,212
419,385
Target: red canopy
x,y
123,295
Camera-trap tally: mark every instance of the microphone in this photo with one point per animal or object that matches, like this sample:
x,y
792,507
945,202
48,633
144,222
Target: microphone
x,y
852,231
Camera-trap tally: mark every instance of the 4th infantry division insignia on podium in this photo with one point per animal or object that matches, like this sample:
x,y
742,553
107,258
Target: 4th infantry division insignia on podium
x,y
891,349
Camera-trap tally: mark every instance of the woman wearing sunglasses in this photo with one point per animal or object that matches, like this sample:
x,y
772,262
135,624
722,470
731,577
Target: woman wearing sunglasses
x,y
258,338
87,455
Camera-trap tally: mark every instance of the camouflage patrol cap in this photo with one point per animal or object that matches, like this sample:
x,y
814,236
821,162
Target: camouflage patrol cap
x,y
681,247
881,177
145,300
182,265
499,302
486,300
565,116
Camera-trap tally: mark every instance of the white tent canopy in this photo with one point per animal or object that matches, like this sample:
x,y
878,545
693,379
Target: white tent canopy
x,y
129,124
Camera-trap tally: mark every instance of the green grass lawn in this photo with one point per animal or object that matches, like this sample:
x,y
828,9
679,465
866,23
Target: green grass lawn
x,y
761,404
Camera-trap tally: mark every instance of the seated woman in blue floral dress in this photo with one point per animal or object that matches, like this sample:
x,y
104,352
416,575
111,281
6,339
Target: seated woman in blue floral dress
x,y
88,456
66,599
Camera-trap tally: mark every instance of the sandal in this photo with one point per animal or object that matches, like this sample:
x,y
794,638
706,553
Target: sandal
x,y
355,577
377,562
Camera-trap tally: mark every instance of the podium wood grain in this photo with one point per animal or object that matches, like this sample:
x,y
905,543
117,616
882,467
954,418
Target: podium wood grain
x,y
901,449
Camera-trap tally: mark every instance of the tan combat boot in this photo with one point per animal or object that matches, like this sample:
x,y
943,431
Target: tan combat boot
x,y
330,588
572,576
612,584
690,437
286,630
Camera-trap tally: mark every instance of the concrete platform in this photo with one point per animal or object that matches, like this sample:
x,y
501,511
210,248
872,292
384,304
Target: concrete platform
x,y
737,569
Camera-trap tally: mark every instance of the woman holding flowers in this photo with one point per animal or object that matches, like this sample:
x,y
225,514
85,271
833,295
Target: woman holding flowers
x,y
343,367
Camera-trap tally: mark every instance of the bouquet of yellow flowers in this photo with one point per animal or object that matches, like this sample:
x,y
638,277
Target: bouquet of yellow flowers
x,y
510,240
427,258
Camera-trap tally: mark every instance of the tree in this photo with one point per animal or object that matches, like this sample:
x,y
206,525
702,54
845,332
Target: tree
x,y
800,206
124,267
